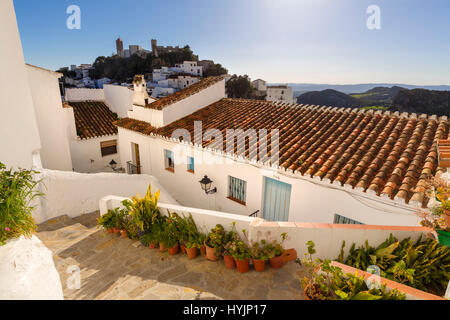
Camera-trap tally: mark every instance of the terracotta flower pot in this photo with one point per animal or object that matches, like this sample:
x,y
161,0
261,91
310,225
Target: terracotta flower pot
x,y
109,230
191,252
153,245
259,265
162,248
174,250
183,248
203,250
242,265
116,230
277,262
211,253
447,216
229,262
124,233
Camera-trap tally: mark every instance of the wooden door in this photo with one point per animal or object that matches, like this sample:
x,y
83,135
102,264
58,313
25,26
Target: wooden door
x,y
138,158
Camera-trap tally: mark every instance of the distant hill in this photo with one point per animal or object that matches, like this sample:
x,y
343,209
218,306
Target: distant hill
x,y
378,96
423,101
394,98
328,97
300,88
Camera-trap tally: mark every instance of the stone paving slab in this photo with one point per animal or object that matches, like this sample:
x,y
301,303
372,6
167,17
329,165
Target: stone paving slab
x,y
114,268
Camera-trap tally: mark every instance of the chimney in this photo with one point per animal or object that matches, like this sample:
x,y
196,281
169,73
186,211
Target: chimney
x,y
141,96
444,154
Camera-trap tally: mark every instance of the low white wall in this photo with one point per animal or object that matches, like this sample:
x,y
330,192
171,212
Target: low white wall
x,y
74,194
328,238
119,99
84,94
27,271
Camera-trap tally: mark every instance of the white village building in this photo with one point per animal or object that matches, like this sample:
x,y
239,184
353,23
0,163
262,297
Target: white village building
x,y
334,164
281,93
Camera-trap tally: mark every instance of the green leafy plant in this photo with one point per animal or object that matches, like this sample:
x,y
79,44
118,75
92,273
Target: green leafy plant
x,y
17,191
274,248
424,264
259,251
144,211
216,239
108,220
327,282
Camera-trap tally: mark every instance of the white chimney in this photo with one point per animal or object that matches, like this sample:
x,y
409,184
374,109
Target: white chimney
x,y
141,97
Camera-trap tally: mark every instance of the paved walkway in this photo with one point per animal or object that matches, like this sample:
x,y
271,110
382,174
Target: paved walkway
x,y
116,268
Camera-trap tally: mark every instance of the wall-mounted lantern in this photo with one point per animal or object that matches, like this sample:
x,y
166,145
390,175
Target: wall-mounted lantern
x,y
206,185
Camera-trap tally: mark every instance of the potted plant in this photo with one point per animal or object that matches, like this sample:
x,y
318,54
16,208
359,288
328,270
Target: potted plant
x,y
202,240
259,255
241,254
107,221
230,240
214,243
275,252
150,240
17,191
326,282
171,236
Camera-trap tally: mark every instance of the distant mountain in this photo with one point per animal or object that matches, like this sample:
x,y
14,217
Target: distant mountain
x,y
378,96
423,101
393,98
300,88
328,97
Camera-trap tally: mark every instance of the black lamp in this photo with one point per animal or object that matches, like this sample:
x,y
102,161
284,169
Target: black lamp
x,y
113,164
206,185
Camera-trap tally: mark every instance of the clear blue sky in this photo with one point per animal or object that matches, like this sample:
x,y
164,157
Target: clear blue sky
x,y
311,41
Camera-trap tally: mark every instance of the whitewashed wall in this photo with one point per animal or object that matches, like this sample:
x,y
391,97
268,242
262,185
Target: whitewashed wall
x,y
55,151
84,94
18,126
180,109
74,194
119,99
310,201
83,151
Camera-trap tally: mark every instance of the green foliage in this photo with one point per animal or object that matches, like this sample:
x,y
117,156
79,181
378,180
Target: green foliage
x,y
124,69
216,238
258,250
424,264
17,190
240,87
189,235
275,249
327,282
215,70
235,246
144,211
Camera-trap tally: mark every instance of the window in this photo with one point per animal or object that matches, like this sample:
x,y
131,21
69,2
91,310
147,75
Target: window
x,y
108,147
344,220
169,162
237,190
190,165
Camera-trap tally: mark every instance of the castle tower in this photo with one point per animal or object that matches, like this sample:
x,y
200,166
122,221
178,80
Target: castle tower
x,y
119,47
155,48
141,97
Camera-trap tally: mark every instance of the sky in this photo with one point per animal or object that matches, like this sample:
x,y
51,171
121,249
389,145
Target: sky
x,y
280,41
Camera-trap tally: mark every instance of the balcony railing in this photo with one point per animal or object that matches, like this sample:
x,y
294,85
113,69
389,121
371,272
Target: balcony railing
x,y
132,168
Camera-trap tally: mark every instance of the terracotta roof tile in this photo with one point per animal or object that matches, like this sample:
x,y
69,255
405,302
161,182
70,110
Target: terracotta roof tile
x,y
92,119
184,93
382,152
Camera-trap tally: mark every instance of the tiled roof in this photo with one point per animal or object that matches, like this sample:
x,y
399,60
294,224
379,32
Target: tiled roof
x,y
183,94
385,153
93,119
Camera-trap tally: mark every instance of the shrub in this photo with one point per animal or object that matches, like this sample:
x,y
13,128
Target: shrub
x,y
17,190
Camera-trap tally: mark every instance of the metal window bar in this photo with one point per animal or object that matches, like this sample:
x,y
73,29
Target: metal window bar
x,y
237,188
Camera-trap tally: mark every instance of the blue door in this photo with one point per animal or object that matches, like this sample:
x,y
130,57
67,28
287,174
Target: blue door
x,y
277,199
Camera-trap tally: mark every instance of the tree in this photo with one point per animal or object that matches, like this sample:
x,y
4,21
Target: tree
x,y
215,70
240,87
